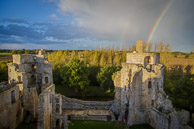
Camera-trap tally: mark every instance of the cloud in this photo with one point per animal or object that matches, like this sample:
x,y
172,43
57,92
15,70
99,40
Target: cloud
x,y
39,33
128,20
109,19
14,20
54,16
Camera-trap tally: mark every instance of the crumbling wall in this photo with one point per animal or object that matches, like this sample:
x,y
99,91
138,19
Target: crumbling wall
x,y
50,114
11,112
45,108
70,103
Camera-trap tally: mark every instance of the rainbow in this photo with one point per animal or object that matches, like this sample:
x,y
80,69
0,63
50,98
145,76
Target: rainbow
x,y
158,21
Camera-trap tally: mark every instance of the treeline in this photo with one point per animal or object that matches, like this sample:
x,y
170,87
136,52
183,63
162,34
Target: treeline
x,y
99,65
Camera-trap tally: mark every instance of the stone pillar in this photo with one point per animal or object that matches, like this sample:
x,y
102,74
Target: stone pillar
x,y
139,46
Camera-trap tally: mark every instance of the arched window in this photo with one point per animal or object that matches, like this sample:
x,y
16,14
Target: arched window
x,y
13,100
147,60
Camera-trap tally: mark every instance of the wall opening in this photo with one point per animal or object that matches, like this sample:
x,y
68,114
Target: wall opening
x,y
147,60
57,108
33,78
13,100
33,67
46,80
57,123
34,58
152,103
149,84
27,113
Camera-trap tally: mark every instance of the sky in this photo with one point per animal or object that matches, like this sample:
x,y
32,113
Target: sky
x,y
88,24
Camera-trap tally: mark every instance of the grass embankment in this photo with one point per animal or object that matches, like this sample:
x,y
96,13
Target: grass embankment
x,y
94,93
104,125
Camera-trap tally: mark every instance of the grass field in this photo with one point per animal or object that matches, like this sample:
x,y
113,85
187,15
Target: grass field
x,y
5,53
27,126
104,125
95,125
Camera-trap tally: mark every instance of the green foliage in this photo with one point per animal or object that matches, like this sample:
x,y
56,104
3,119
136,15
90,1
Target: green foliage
x,y
183,94
104,77
141,126
74,74
180,89
3,71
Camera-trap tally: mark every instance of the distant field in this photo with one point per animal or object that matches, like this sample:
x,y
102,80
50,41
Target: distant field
x,y
5,53
181,61
6,58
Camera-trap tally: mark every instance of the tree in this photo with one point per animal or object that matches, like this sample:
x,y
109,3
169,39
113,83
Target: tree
x,y
104,77
75,75
3,71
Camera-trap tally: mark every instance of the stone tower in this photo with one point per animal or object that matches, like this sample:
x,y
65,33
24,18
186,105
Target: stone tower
x,y
139,88
34,74
139,46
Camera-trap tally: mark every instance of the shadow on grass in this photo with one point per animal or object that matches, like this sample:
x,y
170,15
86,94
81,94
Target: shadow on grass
x,y
93,93
27,126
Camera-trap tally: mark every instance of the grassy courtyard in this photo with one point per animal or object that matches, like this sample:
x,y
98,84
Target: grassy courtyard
x,y
104,125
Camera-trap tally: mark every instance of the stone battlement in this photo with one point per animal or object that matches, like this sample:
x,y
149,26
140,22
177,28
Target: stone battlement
x,y
5,86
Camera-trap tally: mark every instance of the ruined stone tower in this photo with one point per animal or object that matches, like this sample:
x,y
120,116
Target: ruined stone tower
x,y
34,74
139,95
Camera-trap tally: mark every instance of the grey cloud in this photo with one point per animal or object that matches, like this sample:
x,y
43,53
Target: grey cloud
x,y
129,20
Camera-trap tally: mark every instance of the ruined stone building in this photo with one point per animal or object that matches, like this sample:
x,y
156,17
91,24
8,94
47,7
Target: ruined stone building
x,y
30,95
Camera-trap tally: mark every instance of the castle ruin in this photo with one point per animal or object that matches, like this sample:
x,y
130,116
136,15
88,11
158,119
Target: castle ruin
x,y
30,95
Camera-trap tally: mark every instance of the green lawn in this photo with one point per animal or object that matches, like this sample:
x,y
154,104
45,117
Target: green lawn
x,y
5,53
141,126
27,126
94,93
104,125
95,125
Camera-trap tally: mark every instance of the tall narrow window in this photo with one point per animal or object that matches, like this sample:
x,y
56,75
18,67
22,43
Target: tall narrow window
x,y
149,84
46,80
152,103
13,100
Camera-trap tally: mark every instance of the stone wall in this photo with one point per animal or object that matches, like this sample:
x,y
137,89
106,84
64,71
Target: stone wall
x,y
140,58
45,108
50,114
70,103
11,112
